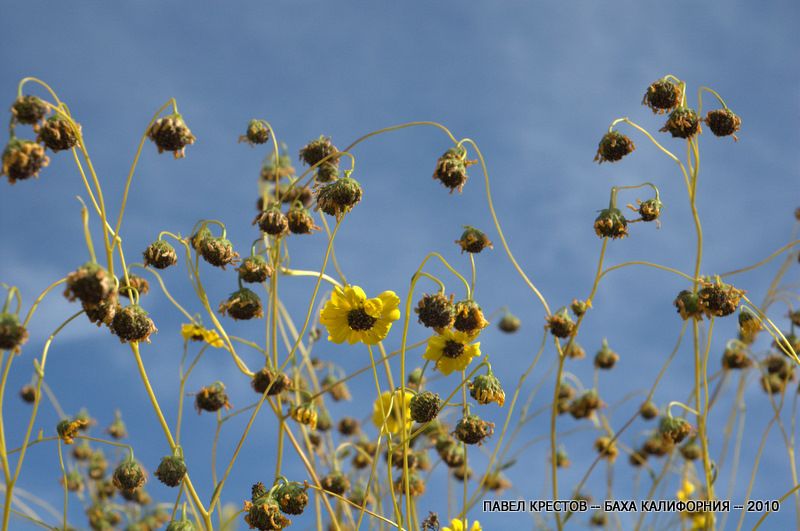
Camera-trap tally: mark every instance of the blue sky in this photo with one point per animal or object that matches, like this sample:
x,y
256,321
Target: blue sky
x,y
535,84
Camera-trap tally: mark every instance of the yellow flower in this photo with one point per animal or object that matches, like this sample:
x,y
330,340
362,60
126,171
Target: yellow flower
x,y
350,316
388,409
686,491
452,351
195,332
461,525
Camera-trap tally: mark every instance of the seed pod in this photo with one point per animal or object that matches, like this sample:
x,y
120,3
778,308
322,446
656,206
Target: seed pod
x,y
316,150
28,394
105,489
509,323
263,512
436,311
12,334
73,482
23,159
257,133
650,209
605,357
272,221
292,497
682,123
28,110
129,476
300,220
131,324
324,422
117,429
561,324
451,453
496,482
425,406
97,465
580,307
674,429
718,299
688,305
171,134
773,384
613,147
171,470
58,134
217,251
662,96
212,398
416,486
339,197
471,429
335,482
585,405
486,388
104,312
611,224
242,305
473,240
160,255
723,122
90,283
82,452
327,171
691,451
735,356
648,410
451,169
254,269
266,378
68,429
469,318
658,446
574,351
606,448
140,284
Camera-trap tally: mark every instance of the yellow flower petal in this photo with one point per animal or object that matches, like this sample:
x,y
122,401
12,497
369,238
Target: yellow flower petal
x,y
390,410
373,307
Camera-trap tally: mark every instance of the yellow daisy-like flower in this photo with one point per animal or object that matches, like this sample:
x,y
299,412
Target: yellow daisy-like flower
x,y
461,525
452,351
390,409
195,332
350,316
686,491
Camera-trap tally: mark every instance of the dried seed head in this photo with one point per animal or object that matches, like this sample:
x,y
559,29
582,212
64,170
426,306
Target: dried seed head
x,y
58,134
292,497
129,476
90,283
335,482
682,123
574,351
140,284
28,110
415,378
605,358
82,452
363,458
254,269
471,429
305,414
171,134
292,193
348,426
257,133
509,323
613,147
131,324
691,451
117,429
580,307
496,482
104,312
217,251
486,388
337,389
171,470
773,383
723,122
137,496
735,356
361,497
436,311
316,150
275,171
242,305
300,220
599,518
339,197
473,240
718,299
611,224
658,446
73,481
451,168
606,448
650,209
674,429
648,410
212,398
469,318
181,525
397,458
327,171
263,512
272,221
561,324
12,334
68,429
28,394
160,255
324,422
662,96
416,485
637,458
266,378
23,159
451,453
780,366
688,305
425,406
585,405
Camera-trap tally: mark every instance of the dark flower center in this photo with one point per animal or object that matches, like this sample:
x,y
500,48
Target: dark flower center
x,y
360,320
453,349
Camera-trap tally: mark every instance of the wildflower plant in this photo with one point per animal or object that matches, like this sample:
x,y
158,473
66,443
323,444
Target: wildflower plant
x,y
432,401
